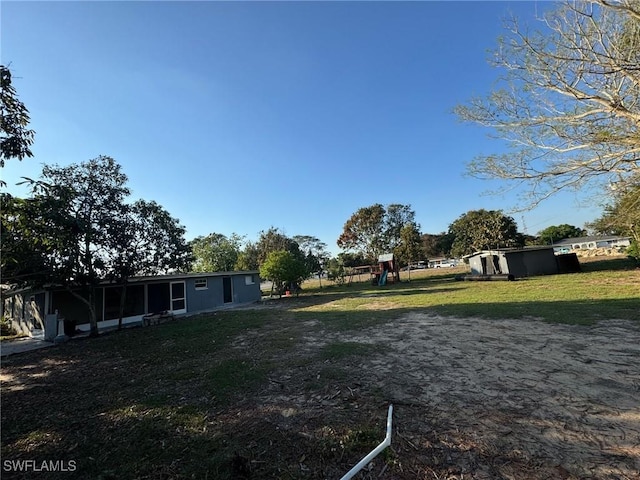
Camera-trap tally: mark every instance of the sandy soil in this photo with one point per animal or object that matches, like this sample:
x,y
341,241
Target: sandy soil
x,y
508,398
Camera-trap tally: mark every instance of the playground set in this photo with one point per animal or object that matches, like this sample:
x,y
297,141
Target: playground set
x,y
386,271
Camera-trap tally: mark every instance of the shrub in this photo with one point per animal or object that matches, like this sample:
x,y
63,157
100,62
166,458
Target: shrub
x,y
633,251
6,330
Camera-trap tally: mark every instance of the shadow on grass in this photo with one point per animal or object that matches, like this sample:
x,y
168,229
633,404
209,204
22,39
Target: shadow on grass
x,y
617,263
179,400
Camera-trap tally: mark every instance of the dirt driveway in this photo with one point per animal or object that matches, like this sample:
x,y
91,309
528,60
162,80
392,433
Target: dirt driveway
x,y
506,398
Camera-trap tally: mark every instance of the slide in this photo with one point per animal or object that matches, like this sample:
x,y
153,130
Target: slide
x,y
383,278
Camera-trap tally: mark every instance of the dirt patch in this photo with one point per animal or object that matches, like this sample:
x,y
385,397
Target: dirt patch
x,y
482,398
304,394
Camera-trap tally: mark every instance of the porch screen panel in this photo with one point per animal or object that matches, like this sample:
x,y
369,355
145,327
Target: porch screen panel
x,y
133,302
159,297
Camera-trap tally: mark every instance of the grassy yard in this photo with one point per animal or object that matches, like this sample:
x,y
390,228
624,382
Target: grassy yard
x,y
605,289
197,398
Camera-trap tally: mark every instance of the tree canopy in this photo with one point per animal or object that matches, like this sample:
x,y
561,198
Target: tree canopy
x,y
248,257
315,254
375,229
483,230
216,252
410,248
15,136
555,233
283,269
437,245
622,216
273,240
568,103
77,230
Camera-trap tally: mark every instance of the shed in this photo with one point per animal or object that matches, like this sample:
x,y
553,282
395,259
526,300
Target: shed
x,y
525,262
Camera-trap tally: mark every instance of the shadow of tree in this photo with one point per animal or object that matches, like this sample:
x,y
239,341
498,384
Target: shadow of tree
x,y
254,394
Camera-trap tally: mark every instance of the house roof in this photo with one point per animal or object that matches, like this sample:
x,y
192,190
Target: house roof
x,y
184,276
510,250
593,238
9,290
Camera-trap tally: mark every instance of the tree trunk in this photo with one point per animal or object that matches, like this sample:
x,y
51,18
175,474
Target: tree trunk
x,y
123,296
93,322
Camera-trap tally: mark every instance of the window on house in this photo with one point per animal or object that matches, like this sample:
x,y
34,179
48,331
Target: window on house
x,y
201,284
249,280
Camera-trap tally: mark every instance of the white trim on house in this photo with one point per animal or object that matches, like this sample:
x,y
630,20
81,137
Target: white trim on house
x,y
173,299
592,243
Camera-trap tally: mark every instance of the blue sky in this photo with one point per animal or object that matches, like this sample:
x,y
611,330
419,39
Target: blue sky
x,y
238,116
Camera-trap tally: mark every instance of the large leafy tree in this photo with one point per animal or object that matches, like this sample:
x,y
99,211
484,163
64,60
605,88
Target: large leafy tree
x,y
350,259
15,136
364,232
483,229
315,254
248,257
76,231
149,241
79,228
282,268
397,217
373,230
29,251
555,233
216,252
437,245
569,101
410,248
273,240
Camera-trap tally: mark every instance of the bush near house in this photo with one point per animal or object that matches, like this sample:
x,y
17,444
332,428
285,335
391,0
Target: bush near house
x,y
6,330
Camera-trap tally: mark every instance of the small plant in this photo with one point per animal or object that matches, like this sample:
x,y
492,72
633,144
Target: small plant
x,y
633,251
6,330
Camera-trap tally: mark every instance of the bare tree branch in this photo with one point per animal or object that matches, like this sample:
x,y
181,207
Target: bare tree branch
x,y
569,102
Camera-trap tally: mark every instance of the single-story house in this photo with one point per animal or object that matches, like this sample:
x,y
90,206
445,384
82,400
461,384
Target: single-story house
x,y
524,262
591,243
179,294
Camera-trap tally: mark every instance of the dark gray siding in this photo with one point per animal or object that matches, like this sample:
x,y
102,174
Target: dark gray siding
x,y
213,296
519,263
244,291
530,263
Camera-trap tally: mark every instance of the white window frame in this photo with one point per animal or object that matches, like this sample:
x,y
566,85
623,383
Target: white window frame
x,y
172,298
249,280
201,287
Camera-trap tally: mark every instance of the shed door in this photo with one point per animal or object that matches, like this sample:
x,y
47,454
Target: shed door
x,y
496,264
227,291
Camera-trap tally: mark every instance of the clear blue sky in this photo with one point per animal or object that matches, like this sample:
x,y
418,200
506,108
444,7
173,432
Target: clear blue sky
x,y
238,116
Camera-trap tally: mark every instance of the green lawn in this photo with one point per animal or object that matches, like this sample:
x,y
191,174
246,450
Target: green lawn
x,y
184,400
581,298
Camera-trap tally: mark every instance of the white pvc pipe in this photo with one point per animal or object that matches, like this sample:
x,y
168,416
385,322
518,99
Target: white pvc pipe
x,y
385,443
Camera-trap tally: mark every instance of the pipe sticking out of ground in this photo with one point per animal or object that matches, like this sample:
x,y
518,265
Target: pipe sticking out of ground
x,y
385,443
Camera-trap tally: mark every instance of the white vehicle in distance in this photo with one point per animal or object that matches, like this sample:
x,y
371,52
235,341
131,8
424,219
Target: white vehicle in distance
x,y
445,263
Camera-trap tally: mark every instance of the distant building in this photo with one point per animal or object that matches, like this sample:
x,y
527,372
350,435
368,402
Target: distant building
x,y
591,243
